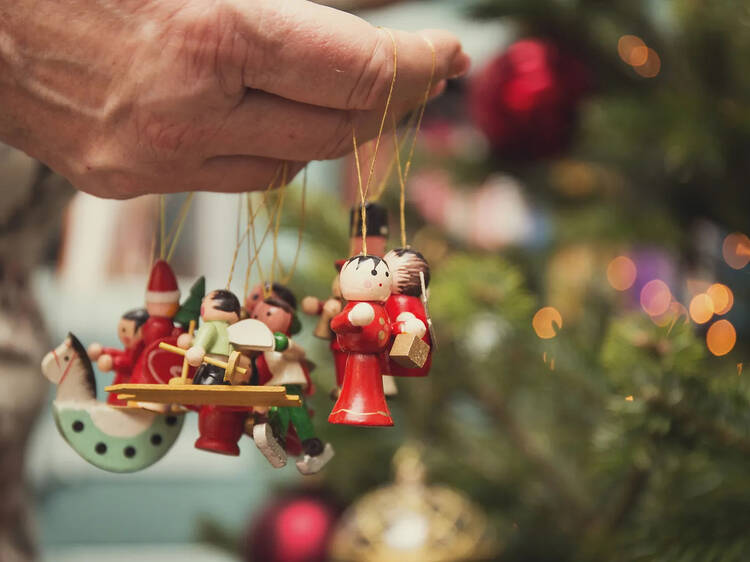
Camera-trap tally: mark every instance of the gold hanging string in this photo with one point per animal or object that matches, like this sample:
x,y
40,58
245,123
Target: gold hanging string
x,y
258,247
277,224
245,235
361,194
162,227
402,187
176,231
251,226
363,190
383,183
300,231
404,174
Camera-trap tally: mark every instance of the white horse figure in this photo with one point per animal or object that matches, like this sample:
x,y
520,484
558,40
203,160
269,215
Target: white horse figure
x,y
116,439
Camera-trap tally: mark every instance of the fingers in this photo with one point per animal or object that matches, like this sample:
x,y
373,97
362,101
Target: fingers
x,y
320,56
273,127
233,174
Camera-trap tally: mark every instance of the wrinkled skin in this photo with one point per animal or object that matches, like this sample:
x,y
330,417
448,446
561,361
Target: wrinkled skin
x,y
125,97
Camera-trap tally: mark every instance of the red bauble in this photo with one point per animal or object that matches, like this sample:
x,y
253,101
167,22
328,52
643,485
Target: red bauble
x,y
526,100
295,528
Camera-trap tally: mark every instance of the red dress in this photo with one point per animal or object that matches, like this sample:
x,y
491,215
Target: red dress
x,y
123,361
395,305
362,400
157,366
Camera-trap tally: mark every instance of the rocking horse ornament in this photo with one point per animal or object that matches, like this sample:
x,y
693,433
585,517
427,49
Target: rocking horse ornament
x,y
111,438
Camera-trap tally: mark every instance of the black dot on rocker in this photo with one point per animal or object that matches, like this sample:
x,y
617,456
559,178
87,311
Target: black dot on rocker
x,y
156,439
171,420
129,452
100,448
374,272
78,426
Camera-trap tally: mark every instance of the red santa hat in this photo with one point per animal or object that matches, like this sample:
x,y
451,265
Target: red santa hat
x,y
162,284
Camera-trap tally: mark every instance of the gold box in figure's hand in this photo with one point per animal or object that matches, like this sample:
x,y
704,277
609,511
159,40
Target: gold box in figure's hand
x,y
199,394
409,351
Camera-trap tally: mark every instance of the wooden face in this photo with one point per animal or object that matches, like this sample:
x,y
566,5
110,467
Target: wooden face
x,y
255,297
127,332
210,312
277,319
365,279
166,309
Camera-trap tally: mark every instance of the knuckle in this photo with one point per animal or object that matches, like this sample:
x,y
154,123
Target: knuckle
x,y
375,76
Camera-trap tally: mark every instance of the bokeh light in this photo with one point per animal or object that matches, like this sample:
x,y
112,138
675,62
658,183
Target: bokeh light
x,y
701,308
621,273
655,297
651,66
631,49
547,322
721,337
722,298
736,250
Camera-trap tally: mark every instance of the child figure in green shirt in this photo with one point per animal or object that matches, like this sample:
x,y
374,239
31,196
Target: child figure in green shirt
x,y
219,309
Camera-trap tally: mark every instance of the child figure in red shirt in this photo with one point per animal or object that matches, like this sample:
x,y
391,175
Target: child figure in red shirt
x,y
363,330
405,303
121,361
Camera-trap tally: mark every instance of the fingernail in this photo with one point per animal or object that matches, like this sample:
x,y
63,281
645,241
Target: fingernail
x,y
460,66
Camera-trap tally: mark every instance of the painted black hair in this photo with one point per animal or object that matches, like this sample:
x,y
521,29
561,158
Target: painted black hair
x,y
361,259
283,293
226,301
137,315
84,357
278,303
407,278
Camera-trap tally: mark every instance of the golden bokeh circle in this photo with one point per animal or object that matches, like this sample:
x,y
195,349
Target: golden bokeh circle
x,y
547,322
621,273
701,308
721,337
722,297
736,250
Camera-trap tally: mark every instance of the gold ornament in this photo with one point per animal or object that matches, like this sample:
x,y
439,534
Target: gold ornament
x,y
409,521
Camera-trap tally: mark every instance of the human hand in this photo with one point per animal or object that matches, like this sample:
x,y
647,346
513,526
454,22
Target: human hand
x,y
144,96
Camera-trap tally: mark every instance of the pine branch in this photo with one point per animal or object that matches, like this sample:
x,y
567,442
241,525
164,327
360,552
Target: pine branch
x,y
713,430
497,407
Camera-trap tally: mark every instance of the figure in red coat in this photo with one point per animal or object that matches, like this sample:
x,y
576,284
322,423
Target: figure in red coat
x,y
156,366
363,330
121,361
376,217
405,303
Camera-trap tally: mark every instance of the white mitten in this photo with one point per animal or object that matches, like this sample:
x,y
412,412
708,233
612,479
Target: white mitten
x,y
361,314
195,355
410,324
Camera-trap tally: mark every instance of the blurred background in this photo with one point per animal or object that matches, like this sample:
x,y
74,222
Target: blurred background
x,y
582,199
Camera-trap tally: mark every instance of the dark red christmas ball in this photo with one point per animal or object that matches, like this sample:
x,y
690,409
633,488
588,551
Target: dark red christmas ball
x,y
294,528
526,100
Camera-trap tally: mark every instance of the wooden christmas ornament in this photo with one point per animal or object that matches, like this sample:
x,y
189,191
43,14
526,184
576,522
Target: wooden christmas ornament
x,y
115,439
